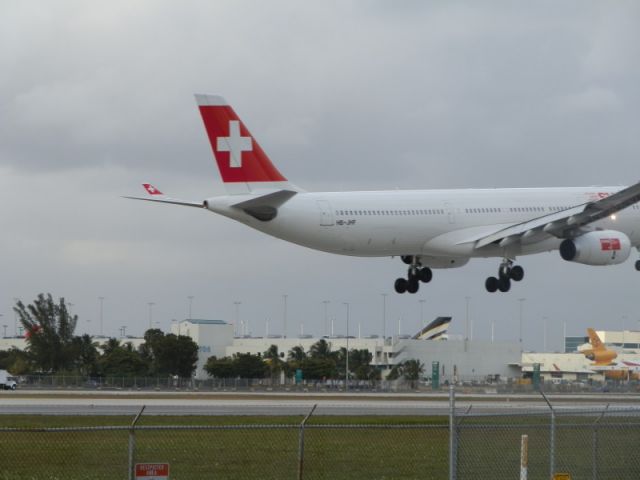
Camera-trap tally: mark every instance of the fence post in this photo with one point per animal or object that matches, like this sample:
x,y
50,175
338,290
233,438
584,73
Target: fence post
x,y
552,438
594,444
524,457
132,443
453,451
301,442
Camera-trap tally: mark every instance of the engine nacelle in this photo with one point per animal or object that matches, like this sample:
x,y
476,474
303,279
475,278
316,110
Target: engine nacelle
x,y
603,247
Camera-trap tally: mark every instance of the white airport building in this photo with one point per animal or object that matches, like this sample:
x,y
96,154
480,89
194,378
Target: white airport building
x,y
459,359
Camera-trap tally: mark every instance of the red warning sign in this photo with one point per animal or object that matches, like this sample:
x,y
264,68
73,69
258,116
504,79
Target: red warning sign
x,y
152,471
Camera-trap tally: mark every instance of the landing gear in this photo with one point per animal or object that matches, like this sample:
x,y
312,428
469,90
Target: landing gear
x,y
506,273
415,275
638,265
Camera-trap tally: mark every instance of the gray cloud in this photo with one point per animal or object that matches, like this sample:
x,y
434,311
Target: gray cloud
x,y
96,99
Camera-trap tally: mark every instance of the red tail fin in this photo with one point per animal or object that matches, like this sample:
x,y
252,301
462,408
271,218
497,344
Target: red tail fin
x,y
238,155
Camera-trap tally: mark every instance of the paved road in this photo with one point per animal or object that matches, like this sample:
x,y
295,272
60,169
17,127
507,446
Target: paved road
x,y
129,403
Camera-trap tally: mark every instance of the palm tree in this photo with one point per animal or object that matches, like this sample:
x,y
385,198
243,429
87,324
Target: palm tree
x,y
320,349
272,357
412,371
297,354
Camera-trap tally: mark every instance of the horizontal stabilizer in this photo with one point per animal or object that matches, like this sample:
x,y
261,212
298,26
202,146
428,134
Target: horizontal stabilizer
x,y
273,199
265,207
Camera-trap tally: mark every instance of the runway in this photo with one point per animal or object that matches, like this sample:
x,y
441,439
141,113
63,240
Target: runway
x,y
129,403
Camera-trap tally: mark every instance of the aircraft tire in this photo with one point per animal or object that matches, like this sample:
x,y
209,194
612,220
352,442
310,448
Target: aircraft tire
x,y
408,259
401,285
517,273
491,284
638,265
413,285
425,274
504,285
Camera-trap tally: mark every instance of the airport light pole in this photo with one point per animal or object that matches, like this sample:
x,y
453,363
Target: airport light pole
x,y
346,373
284,314
384,317
190,298
325,302
15,318
467,299
544,333
521,301
151,304
101,299
237,319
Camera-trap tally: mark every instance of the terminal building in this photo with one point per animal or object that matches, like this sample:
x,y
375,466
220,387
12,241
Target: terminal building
x,y
457,358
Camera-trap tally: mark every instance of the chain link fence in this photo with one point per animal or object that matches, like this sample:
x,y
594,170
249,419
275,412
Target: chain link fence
x,y
586,443
592,444
278,451
467,384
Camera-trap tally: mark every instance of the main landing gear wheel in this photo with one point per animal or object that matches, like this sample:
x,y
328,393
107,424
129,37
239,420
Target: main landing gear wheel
x,y
415,276
638,265
401,285
506,273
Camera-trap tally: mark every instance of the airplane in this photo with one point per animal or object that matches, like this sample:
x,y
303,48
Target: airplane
x,y
427,229
598,352
604,360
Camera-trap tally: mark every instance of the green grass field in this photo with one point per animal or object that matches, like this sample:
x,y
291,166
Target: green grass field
x,y
335,447
266,448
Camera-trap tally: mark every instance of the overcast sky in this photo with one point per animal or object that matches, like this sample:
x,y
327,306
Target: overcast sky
x,y
97,97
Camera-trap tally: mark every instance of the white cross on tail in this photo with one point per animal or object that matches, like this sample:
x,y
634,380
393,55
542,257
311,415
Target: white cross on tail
x,y
234,144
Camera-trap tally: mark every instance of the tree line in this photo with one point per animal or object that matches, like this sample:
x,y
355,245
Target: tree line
x,y
52,348
319,363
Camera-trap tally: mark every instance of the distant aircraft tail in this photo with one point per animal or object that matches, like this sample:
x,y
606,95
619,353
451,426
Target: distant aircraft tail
x,y
594,340
598,352
243,165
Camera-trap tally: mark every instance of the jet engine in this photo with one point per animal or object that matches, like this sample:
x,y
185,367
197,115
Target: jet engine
x,y
603,247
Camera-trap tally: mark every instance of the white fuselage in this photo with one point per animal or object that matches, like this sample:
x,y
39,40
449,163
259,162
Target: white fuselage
x,y
438,225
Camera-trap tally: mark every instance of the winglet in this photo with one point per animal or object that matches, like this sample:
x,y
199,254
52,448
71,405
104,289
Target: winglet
x,y
151,190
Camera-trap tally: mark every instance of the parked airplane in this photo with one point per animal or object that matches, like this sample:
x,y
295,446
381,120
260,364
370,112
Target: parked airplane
x,y
427,229
604,360
598,353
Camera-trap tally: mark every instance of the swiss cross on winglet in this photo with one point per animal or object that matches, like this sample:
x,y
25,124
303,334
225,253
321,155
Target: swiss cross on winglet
x,y
151,190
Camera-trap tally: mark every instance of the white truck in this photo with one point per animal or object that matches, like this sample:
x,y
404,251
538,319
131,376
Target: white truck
x,y
7,382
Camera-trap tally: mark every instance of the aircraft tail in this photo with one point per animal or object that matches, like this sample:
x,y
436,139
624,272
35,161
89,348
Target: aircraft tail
x,y
594,340
243,165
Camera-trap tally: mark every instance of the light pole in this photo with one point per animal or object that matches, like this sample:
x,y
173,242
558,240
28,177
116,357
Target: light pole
x,y
544,333
101,299
190,298
151,304
15,318
5,329
521,301
237,319
284,314
421,313
325,302
346,373
466,299
384,317
124,331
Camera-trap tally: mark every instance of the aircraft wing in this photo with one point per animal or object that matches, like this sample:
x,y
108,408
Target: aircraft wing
x,y
156,195
564,223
